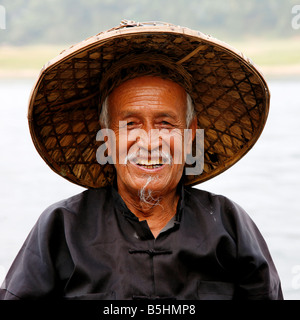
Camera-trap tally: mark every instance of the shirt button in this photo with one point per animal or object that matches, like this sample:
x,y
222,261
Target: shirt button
x,y
136,236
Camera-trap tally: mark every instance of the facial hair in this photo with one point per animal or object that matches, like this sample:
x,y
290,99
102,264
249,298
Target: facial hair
x,y
146,195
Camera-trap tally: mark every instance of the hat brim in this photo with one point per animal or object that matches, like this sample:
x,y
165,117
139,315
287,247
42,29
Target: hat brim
x,y
230,95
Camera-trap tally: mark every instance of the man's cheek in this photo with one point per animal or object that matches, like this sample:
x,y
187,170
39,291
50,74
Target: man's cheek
x,y
173,144
122,147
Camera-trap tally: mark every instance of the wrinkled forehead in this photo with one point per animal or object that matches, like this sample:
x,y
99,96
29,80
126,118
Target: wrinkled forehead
x,y
148,96
149,87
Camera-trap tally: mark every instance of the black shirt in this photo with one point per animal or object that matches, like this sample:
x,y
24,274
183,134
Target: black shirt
x,y
91,246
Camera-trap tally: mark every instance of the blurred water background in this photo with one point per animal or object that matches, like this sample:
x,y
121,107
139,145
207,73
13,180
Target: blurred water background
x,y
266,182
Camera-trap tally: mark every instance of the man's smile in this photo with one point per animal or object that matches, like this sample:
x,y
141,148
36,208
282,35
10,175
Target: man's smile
x,y
147,164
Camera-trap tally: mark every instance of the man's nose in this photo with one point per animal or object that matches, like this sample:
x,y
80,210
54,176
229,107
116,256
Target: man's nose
x,y
150,139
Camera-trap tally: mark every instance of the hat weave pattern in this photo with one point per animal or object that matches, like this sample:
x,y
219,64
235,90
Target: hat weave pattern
x,y
230,96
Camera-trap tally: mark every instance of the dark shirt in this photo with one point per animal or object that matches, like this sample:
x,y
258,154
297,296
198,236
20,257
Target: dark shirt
x,y
91,246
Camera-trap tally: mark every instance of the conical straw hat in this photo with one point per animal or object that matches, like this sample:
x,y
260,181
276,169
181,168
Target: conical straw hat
x,y
230,95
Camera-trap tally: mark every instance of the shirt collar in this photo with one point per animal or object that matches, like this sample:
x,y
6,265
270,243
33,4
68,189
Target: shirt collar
x,y
121,205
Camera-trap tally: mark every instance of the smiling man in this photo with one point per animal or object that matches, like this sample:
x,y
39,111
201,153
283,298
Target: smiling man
x,y
140,231
149,178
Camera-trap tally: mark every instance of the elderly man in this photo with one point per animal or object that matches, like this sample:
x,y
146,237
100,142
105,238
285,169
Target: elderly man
x,y
140,231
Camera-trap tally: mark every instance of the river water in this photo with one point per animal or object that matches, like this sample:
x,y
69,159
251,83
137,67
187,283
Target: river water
x,y
266,182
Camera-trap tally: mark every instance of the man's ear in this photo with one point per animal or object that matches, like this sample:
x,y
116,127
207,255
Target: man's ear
x,y
106,151
191,137
193,126
111,146
108,146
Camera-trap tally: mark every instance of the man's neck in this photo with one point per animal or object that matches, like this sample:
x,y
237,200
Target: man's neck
x,y
157,213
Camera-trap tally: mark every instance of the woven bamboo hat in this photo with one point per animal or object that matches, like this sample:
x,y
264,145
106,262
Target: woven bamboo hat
x,y
230,95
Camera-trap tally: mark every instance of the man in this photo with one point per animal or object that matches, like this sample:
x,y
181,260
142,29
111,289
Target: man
x,y
140,231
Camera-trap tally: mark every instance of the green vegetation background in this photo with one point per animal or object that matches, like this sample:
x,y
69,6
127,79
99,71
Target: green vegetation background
x,y
42,28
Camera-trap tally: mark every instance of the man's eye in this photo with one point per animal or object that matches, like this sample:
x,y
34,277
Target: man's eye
x,y
165,124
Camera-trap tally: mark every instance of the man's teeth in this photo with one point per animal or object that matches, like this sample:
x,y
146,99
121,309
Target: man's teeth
x,y
148,163
152,164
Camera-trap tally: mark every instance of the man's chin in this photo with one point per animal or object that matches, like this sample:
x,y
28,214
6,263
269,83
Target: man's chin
x,y
147,194
156,182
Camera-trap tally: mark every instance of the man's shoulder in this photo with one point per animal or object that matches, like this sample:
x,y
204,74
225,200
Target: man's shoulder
x,y
78,203
205,197
216,203
222,211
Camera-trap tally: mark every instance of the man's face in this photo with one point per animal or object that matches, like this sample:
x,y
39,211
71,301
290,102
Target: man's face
x,y
148,103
